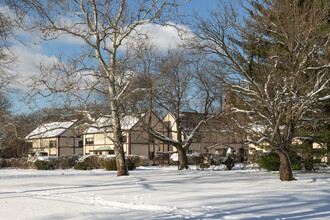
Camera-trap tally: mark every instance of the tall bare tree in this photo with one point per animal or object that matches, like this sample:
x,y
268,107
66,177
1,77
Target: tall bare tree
x,y
178,82
6,55
278,56
104,27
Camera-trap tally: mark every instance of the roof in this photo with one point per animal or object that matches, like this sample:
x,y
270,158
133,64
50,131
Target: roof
x,y
189,121
104,124
102,148
48,130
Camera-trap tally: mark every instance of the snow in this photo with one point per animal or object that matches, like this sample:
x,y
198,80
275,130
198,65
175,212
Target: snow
x,y
52,129
162,193
104,123
324,98
43,158
174,157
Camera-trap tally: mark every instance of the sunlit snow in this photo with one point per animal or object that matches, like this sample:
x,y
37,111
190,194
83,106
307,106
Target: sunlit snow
x,y
162,193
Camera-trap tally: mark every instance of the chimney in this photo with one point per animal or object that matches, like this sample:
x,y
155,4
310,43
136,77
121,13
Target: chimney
x,y
228,99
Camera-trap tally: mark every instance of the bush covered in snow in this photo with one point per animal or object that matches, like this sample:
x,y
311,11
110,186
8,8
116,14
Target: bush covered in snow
x,y
202,161
144,161
132,163
44,165
195,159
89,162
107,162
110,164
66,162
18,163
52,162
174,159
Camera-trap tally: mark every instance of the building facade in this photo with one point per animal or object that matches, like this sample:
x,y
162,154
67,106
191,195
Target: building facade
x,y
97,139
55,139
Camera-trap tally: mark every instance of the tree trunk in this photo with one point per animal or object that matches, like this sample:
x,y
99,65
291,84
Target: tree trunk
x,y
122,169
285,166
119,150
183,160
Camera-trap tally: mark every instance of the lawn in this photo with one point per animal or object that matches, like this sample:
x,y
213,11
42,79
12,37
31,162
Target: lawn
x,y
162,193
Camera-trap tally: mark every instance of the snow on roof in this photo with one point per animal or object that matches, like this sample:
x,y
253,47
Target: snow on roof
x,y
48,130
104,124
257,128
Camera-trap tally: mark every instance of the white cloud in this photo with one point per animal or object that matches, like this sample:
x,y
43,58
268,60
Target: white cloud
x,y
161,37
26,65
31,55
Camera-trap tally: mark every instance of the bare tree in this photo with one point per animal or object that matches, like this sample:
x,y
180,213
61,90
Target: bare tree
x,y
278,58
178,82
103,27
6,56
4,107
6,60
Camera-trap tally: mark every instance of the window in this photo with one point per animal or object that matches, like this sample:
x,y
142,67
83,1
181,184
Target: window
x,y
124,139
52,143
151,139
89,141
168,124
29,144
80,144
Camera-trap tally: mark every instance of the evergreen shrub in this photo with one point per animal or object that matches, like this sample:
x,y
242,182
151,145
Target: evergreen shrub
x,y
269,161
110,164
89,163
44,165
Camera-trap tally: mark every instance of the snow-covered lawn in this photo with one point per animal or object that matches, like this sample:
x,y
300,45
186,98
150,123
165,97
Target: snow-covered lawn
x,y
162,193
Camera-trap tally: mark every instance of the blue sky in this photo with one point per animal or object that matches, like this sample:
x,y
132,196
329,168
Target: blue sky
x,y
201,6
31,54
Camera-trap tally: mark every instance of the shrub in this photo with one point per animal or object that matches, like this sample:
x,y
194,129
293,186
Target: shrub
x,y
195,159
44,165
172,162
65,162
174,159
133,161
19,163
81,166
89,163
144,161
3,163
270,161
218,159
110,164
229,162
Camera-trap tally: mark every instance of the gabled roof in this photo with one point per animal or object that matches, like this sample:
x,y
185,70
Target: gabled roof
x,y
104,124
48,130
189,121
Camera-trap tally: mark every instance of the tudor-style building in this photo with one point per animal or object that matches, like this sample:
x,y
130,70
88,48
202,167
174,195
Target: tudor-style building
x,y
55,139
213,137
137,141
